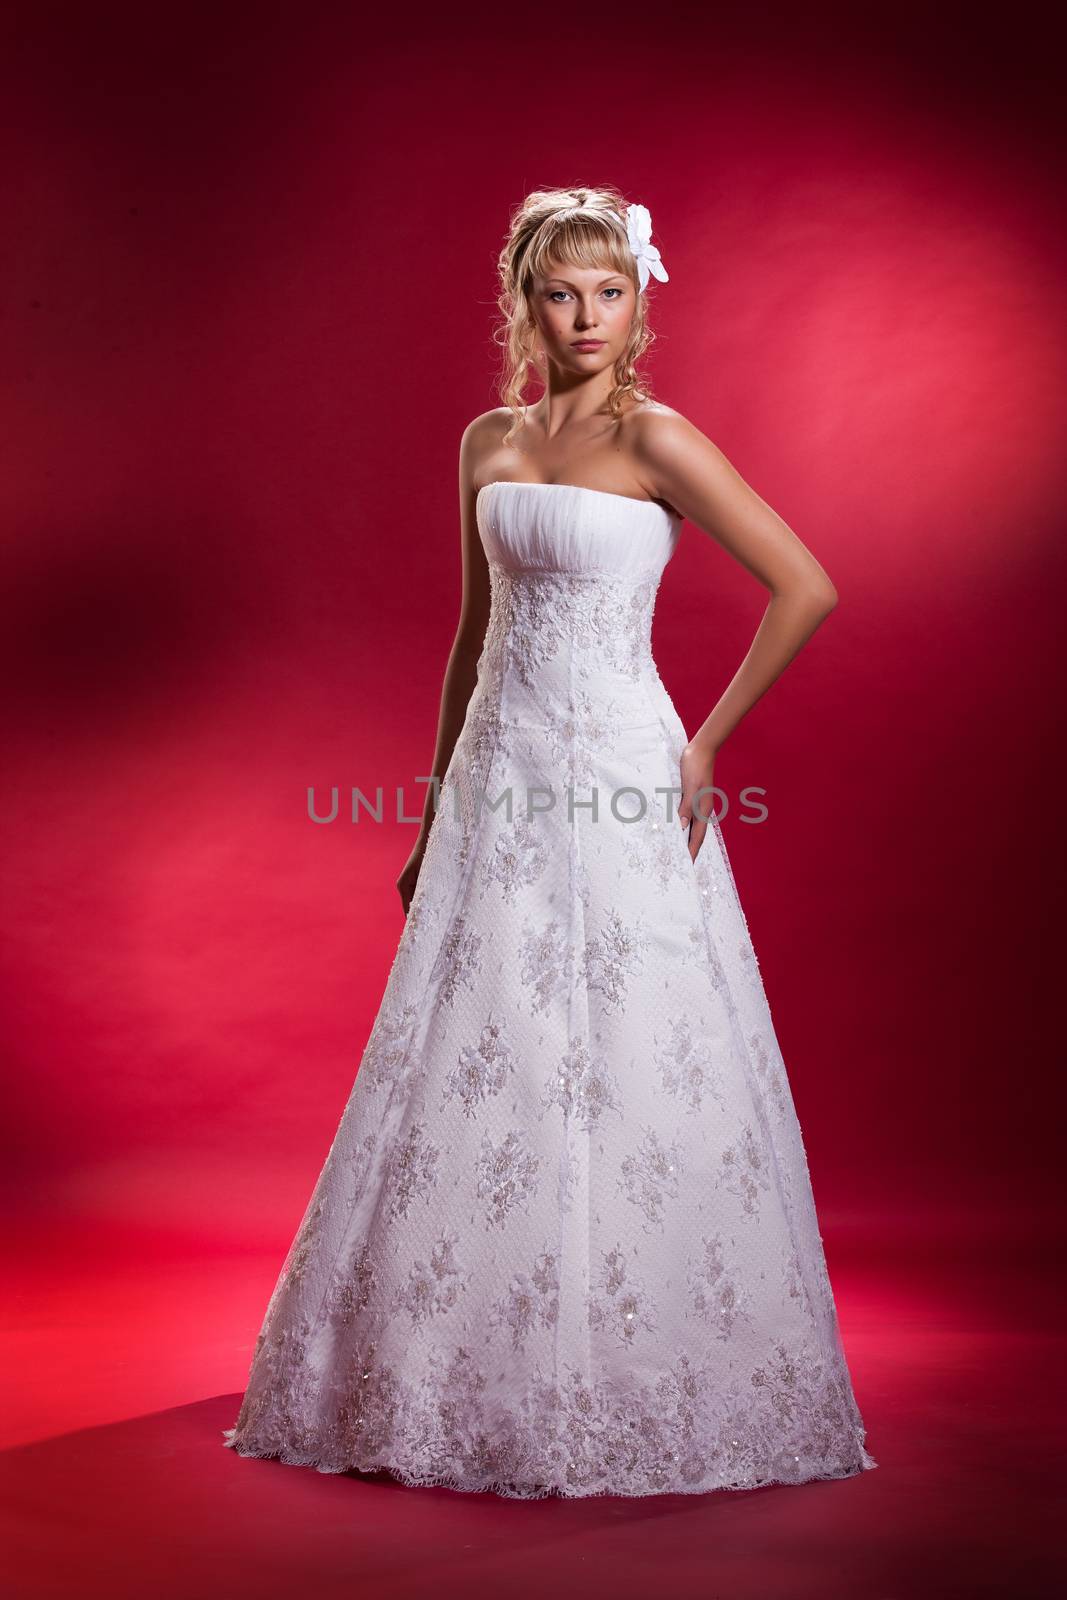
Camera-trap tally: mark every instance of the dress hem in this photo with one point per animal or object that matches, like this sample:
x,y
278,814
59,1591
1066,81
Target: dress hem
x,y
514,1491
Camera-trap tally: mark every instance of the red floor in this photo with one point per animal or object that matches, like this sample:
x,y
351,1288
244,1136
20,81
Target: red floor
x,y
125,1359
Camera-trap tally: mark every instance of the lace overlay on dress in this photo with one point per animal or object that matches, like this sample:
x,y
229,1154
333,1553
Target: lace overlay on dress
x,y
564,1241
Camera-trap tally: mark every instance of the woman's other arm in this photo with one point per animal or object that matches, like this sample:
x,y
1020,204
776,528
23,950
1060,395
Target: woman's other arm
x,y
461,670
682,466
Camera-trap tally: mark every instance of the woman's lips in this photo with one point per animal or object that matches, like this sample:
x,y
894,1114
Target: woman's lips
x,y
588,344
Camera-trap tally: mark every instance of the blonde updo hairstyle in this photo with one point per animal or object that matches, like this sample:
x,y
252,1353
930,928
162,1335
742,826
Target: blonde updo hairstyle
x,y
575,227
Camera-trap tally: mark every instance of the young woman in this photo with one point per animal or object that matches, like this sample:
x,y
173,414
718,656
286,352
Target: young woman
x,y
565,1241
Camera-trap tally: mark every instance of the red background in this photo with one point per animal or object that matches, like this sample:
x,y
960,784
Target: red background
x,y
249,288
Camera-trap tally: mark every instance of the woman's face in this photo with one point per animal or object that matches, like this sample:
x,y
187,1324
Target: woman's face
x,y
583,315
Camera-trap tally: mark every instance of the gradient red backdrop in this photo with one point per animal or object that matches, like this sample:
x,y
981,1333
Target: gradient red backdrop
x,y
249,262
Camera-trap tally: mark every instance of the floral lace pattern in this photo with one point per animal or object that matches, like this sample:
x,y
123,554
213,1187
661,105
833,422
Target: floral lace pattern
x,y
482,1070
650,1177
565,1240
545,962
531,1301
717,1289
519,857
598,618
583,1086
689,1067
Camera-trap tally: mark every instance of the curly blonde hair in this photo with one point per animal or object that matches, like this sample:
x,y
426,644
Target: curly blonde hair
x,y
578,227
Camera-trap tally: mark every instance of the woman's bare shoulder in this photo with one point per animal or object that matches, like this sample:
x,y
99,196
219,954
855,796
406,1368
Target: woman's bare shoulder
x,y
481,438
660,437
487,425
652,419
654,436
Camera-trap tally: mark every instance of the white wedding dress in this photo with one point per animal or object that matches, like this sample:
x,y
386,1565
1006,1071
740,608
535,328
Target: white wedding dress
x,y
564,1240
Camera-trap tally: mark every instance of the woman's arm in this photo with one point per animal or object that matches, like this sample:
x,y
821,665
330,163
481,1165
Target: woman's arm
x,y
461,670
682,466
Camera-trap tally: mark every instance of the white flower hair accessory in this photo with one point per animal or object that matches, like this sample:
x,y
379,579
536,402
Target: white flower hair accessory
x,y
638,222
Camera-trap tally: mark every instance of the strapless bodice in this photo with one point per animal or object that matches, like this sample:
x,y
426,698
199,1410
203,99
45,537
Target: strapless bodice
x,y
563,527
574,574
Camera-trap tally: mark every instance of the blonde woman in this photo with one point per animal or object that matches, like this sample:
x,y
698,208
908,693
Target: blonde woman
x,y
565,1241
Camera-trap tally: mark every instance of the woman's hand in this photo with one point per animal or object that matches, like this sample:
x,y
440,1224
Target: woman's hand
x,y
409,877
697,805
